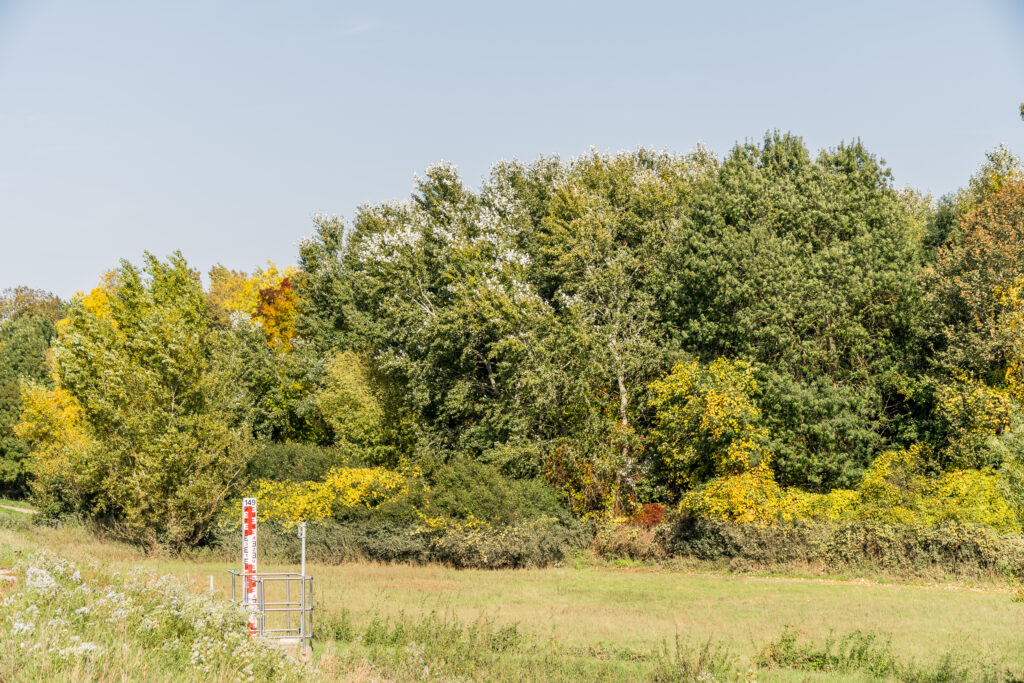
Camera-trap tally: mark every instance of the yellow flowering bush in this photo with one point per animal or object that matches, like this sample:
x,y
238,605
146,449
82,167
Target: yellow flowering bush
x,y
973,496
751,497
343,487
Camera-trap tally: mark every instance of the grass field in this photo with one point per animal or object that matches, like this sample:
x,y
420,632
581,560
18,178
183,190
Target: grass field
x,y
603,622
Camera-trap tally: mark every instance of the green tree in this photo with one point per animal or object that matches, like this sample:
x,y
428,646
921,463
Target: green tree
x,y
806,268
510,320
27,325
280,384
146,427
435,292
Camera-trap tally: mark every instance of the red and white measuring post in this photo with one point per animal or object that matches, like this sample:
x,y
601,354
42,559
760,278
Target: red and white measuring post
x,y
249,560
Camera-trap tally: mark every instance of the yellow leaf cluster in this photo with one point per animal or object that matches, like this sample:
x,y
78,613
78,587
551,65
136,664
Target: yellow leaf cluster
x,y
895,489
267,296
706,420
750,497
52,423
1012,299
444,524
974,408
343,487
97,301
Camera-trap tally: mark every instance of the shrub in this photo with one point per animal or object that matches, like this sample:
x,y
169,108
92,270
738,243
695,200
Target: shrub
x,y
295,462
342,488
465,489
649,515
628,540
906,550
539,542
895,489
747,497
535,543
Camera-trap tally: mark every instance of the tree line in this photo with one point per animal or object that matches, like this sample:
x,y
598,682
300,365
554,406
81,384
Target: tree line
x,y
628,328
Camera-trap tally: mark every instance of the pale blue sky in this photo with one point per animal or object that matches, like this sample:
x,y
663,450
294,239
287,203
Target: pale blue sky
x,y
220,128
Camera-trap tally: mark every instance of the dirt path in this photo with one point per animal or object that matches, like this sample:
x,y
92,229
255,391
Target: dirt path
x,y
17,509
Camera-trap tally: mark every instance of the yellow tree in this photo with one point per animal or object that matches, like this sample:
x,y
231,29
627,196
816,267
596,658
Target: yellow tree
x,y
1013,328
706,423
268,296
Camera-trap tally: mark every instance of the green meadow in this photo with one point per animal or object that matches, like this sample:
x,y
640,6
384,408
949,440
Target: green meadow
x,y
643,622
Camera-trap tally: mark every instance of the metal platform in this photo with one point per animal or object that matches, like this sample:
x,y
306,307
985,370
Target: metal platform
x,y
283,607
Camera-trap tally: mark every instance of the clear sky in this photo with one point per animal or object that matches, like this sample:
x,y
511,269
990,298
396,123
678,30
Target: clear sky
x,y
220,128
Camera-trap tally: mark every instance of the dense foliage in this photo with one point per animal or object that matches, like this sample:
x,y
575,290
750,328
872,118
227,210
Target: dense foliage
x,y
145,426
27,326
769,336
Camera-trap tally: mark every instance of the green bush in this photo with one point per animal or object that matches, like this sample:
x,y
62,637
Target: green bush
x,y
294,462
465,488
536,543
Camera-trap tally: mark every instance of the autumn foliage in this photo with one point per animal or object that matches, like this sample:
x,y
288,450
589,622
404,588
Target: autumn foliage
x,y
771,337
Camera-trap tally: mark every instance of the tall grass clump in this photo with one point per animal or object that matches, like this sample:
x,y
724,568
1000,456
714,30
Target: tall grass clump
x,y
865,652
437,646
66,621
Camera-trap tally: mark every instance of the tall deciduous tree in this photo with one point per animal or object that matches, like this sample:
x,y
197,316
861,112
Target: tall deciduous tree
x,y
145,428
983,255
512,318
807,268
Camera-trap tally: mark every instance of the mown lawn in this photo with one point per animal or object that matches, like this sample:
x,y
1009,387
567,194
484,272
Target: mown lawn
x,y
621,611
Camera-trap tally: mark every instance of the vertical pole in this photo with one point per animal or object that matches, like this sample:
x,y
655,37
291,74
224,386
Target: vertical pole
x,y
261,604
302,535
302,591
249,560
302,623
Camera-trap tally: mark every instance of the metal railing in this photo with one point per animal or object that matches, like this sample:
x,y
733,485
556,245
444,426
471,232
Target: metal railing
x,y
278,614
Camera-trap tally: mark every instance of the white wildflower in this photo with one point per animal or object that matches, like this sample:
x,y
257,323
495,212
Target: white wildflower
x,y
21,627
38,579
